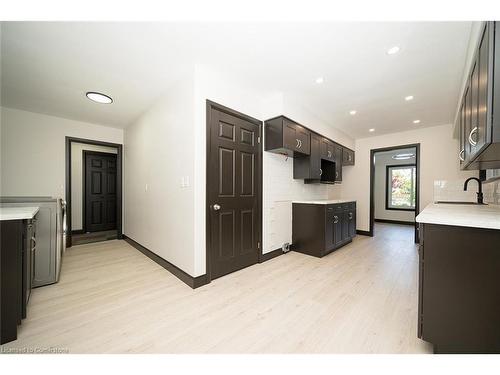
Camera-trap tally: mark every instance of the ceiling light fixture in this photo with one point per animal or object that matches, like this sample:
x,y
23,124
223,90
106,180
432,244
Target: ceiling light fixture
x,y
403,156
353,112
393,50
99,98
371,130
320,80
416,121
408,98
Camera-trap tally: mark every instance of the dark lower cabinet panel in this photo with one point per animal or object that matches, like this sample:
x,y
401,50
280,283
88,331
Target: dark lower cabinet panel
x,y
15,275
318,229
459,289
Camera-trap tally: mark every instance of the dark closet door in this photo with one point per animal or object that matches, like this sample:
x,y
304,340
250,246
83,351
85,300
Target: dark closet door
x,y
233,191
100,191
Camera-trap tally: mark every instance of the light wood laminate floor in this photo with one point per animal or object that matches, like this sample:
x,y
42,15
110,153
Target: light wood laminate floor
x,y
112,299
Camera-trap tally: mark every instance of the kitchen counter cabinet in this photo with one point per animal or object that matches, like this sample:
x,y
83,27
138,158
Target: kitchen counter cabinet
x,y
318,229
17,254
459,288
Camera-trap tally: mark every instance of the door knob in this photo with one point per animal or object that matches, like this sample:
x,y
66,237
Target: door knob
x,y
216,207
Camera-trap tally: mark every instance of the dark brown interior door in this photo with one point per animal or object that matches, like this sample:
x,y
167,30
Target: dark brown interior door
x,y
100,191
233,191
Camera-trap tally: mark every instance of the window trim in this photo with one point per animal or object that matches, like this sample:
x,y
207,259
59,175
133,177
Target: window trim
x,y
387,192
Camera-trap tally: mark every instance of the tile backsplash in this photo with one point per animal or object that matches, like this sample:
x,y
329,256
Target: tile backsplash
x,y
446,190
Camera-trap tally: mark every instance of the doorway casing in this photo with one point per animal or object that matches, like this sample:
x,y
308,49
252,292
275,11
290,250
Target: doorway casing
x,y
416,146
119,161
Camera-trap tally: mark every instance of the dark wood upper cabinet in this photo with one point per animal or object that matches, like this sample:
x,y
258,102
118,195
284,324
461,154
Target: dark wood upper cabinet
x,y
338,162
316,158
479,116
284,136
308,167
347,156
327,151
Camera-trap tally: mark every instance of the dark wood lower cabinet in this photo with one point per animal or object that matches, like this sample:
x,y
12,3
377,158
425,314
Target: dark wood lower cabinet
x,y
459,289
16,271
318,229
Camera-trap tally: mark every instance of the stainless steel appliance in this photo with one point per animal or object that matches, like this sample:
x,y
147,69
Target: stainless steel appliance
x,y
50,235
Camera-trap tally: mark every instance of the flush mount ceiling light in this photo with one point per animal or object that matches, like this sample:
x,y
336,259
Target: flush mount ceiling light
x,y
371,130
320,80
416,121
393,50
403,156
353,112
99,98
408,98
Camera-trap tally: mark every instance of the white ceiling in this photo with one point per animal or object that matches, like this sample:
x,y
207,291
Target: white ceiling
x,y
48,67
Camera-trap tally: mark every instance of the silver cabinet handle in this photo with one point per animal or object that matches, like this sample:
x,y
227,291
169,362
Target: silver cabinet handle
x,y
336,174
471,141
298,143
329,154
461,155
320,171
216,207
350,215
335,219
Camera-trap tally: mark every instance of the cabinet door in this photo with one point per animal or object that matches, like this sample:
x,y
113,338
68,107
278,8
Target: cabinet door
x,y
467,123
352,222
327,151
315,157
474,85
345,225
329,229
290,140
461,129
347,156
338,163
304,140
481,136
337,227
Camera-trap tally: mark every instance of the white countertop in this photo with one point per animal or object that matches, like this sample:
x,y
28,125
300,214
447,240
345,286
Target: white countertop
x,y
326,201
461,215
17,213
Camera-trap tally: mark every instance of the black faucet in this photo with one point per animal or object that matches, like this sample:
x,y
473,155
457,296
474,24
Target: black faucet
x,y
480,193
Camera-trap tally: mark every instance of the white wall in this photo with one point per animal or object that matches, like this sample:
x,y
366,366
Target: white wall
x,y
382,160
77,171
438,161
33,150
159,152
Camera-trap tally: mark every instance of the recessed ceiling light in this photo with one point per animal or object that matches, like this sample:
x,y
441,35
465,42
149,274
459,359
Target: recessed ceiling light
x,y
99,98
416,121
353,112
371,130
409,97
393,50
403,156
320,80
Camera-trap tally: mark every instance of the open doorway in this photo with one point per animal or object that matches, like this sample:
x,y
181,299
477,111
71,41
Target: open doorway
x,y
93,191
394,186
